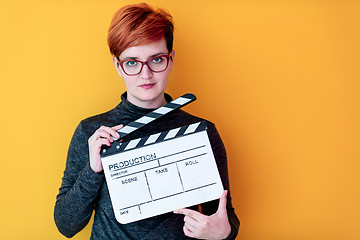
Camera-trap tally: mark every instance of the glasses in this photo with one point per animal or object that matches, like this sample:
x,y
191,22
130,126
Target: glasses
x,y
132,67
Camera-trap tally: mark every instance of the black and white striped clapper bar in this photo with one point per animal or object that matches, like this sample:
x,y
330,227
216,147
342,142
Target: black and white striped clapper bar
x,y
162,172
148,118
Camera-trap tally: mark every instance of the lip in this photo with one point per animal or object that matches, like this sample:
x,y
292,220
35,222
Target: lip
x,y
147,85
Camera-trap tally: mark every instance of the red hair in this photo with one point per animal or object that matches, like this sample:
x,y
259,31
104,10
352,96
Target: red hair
x,y
139,24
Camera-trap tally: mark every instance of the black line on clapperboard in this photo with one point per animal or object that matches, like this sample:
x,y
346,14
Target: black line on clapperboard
x,y
182,152
139,204
161,165
148,185
202,154
159,158
182,185
207,185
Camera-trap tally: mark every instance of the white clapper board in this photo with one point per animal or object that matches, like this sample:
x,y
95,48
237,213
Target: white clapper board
x,y
162,172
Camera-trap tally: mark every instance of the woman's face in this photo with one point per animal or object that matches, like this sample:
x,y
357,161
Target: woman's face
x,y
147,88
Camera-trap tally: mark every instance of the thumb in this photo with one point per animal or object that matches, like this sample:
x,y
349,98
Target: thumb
x,y
222,202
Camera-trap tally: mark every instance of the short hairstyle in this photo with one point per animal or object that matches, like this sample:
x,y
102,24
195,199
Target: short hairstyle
x,y
139,24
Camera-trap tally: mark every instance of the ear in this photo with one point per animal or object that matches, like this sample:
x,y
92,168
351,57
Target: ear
x,y
117,65
172,59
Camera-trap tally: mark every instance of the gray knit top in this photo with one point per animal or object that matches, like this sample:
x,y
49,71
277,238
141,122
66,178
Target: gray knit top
x,y
82,191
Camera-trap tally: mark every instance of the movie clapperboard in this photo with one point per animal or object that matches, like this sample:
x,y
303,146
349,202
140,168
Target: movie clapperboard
x,y
162,172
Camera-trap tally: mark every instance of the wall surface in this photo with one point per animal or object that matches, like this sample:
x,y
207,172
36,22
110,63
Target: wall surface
x,y
279,78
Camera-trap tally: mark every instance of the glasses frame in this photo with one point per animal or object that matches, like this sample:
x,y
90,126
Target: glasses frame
x,y
167,56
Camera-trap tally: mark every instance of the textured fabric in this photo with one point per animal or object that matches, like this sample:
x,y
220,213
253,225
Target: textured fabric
x,y
82,191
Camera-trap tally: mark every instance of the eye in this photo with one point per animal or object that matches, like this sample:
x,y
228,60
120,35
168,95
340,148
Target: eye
x,y
130,63
157,60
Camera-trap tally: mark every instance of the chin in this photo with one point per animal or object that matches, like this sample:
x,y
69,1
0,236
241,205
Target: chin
x,y
150,95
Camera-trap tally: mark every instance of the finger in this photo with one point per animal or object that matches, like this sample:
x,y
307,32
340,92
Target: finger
x,y
192,224
180,211
99,134
190,228
105,132
191,221
118,127
194,219
187,232
188,212
100,142
223,201
111,131
96,136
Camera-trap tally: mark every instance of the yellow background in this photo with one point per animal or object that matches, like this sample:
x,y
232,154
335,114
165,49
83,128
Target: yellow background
x,y
279,78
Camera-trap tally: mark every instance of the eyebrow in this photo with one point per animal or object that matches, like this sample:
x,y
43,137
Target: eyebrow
x,y
136,58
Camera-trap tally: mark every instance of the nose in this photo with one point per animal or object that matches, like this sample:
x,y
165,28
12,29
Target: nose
x,y
146,73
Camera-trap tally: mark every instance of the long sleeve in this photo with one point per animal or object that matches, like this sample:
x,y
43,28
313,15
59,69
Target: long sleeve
x,y
211,207
79,188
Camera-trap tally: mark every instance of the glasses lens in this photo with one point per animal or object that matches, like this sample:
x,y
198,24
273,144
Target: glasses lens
x,y
158,64
131,66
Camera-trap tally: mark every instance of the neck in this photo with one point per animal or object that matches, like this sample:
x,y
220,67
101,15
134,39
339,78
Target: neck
x,y
152,104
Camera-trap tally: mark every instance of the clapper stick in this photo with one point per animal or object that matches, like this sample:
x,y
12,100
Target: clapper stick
x,y
161,111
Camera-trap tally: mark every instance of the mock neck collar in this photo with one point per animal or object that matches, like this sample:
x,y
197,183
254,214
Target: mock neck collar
x,y
130,108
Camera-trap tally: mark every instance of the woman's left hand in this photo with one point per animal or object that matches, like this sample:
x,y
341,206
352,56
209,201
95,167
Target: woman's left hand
x,y
200,226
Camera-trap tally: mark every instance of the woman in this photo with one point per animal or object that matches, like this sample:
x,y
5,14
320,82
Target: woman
x,y
141,40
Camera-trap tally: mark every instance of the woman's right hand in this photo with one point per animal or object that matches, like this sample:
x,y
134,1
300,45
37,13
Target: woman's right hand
x,y
102,136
